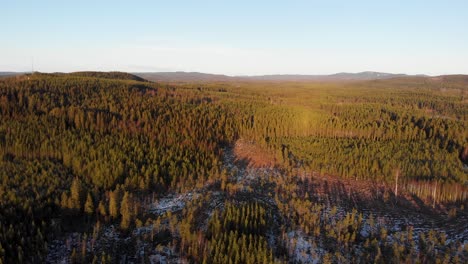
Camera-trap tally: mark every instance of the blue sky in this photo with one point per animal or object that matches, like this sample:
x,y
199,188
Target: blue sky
x,y
236,37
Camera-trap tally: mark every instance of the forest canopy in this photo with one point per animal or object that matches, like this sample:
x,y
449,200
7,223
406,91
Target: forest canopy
x,y
94,146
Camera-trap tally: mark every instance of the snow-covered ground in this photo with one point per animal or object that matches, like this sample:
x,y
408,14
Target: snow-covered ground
x,y
172,203
60,249
302,249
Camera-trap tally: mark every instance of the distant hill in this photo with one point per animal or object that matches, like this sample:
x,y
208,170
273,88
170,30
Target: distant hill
x,y
95,74
460,78
367,75
204,77
184,77
6,74
108,75
343,76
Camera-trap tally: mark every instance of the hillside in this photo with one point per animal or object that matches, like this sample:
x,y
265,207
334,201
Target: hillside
x,y
108,75
7,74
103,169
184,77
204,77
344,76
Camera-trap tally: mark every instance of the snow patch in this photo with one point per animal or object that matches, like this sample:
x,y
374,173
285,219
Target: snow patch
x,y
172,203
302,250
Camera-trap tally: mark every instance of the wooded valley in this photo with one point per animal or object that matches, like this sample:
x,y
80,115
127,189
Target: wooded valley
x,y
108,167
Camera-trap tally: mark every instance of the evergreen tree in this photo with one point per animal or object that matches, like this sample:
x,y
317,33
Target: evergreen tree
x,y
114,200
76,197
89,205
126,210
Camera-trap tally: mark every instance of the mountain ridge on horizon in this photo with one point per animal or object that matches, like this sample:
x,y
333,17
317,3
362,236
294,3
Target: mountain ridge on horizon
x,y
340,76
182,76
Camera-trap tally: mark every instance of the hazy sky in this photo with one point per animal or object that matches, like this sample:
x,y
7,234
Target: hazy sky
x,y
235,37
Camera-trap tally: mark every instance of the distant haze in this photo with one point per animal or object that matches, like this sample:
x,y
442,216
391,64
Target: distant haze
x,y
197,76
208,77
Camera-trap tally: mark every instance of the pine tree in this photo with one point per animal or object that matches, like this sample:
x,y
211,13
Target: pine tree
x,y
64,200
126,210
114,200
89,205
102,209
76,194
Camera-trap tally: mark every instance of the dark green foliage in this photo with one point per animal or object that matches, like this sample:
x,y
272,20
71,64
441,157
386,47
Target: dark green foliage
x,y
238,235
108,75
93,146
62,136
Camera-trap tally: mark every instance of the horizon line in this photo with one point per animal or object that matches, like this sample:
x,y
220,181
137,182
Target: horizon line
x,y
240,75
